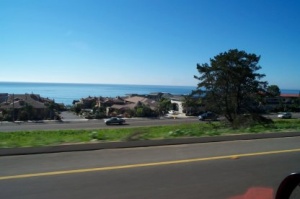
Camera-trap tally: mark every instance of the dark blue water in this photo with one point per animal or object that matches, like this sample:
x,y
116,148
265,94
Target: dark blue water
x,y
289,91
66,93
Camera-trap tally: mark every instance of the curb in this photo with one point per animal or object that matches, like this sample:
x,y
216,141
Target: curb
x,y
140,143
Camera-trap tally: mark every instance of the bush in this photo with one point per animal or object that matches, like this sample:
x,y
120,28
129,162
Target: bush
x,y
137,135
97,136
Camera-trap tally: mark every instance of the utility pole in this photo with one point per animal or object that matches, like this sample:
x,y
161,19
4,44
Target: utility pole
x,y
299,102
13,107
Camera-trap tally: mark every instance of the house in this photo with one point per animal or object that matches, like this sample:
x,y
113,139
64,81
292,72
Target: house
x,y
177,103
25,106
109,101
289,98
3,97
130,103
155,96
18,101
86,103
136,100
281,102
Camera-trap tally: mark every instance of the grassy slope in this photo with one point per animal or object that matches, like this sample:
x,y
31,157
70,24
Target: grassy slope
x,y
43,138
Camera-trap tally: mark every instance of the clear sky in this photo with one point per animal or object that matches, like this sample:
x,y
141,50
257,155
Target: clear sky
x,y
155,42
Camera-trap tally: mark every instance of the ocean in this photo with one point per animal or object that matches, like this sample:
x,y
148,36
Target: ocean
x,y
67,92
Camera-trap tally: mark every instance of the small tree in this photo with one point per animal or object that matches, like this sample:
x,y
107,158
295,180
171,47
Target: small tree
x,y
164,106
99,112
144,111
192,105
77,108
26,113
273,90
231,85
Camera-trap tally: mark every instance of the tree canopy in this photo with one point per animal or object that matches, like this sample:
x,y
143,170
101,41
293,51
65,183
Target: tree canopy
x,y
230,84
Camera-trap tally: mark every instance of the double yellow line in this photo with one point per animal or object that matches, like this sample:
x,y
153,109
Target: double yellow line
x,y
236,156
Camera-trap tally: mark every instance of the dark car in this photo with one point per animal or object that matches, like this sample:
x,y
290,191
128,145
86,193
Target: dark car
x,y
114,120
289,187
208,116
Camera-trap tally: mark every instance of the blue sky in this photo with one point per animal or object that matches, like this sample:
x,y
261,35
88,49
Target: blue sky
x,y
154,42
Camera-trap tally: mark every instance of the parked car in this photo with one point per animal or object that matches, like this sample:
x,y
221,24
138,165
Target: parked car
x,y
114,120
285,115
208,116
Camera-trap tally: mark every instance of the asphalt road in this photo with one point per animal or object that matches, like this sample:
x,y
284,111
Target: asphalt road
x,y
76,123
209,171
88,124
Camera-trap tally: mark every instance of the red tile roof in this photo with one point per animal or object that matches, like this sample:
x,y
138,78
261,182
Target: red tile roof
x,y
289,95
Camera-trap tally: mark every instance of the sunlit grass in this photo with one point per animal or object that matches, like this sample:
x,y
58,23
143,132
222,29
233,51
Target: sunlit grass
x,y
199,129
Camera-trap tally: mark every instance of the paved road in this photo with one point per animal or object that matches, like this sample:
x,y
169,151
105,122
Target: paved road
x,y
74,122
88,124
212,170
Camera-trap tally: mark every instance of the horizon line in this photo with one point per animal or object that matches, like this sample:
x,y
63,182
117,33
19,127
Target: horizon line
x,y
89,83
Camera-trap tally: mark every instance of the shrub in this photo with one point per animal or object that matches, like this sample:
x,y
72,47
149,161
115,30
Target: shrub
x,y
137,135
94,135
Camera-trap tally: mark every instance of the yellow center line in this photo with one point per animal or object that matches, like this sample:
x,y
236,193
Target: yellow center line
x,y
30,175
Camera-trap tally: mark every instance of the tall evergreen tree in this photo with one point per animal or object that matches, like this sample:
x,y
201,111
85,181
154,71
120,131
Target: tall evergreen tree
x,y
231,84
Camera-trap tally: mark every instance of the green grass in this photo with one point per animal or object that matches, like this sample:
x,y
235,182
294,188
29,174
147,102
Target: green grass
x,y
46,138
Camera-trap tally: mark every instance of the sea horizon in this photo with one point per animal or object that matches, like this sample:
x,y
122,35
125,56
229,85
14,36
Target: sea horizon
x,y
66,93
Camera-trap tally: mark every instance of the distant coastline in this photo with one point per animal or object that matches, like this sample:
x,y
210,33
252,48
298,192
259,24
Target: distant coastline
x,y
284,90
67,92
289,91
74,83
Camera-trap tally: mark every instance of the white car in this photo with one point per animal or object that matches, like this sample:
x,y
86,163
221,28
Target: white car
x,y
285,115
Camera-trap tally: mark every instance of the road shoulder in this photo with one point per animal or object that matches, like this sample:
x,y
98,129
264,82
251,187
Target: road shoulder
x,y
140,143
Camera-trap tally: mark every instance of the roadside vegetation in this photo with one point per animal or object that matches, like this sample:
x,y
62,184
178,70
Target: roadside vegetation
x,y
201,129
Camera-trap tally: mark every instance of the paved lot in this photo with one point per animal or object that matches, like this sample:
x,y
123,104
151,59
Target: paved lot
x,y
67,115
